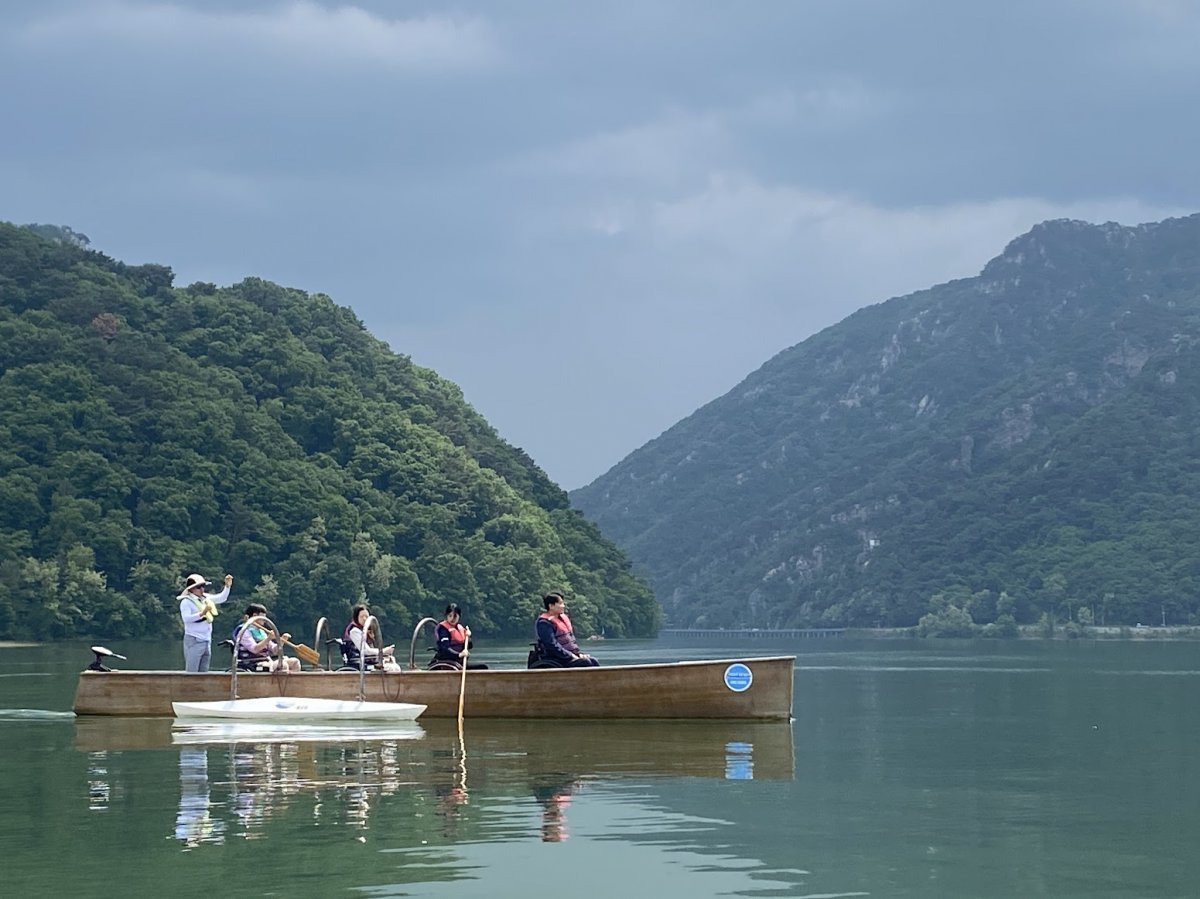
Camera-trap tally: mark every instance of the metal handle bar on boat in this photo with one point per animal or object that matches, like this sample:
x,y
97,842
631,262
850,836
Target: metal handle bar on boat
x,y
237,641
412,649
322,624
362,654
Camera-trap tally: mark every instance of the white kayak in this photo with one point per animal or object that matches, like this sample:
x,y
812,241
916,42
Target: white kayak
x,y
295,708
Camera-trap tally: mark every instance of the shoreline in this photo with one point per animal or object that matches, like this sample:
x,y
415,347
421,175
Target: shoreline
x,y
1037,632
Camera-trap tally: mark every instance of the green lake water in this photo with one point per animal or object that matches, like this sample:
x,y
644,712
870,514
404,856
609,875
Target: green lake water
x,y
912,768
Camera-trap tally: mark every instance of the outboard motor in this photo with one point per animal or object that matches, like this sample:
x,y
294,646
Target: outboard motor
x,y
102,652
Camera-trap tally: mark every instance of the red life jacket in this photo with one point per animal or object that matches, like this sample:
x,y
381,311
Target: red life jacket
x,y
564,634
458,635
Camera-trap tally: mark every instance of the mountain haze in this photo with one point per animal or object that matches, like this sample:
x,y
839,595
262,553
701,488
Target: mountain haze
x,y
147,431
1020,444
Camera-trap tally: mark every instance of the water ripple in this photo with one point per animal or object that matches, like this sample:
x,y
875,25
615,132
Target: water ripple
x,y
34,715
890,668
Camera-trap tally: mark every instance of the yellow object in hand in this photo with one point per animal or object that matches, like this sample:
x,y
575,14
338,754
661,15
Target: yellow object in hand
x,y
208,610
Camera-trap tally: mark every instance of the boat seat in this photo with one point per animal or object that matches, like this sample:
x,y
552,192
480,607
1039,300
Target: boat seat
x,y
538,658
252,665
349,653
436,664
228,644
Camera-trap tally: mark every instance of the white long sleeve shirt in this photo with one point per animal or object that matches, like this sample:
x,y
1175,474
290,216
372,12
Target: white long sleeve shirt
x,y
190,607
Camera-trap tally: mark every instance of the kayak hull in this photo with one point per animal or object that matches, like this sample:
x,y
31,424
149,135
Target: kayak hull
x,y
296,708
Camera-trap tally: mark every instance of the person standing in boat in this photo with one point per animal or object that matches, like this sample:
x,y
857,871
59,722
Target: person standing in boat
x,y
556,637
360,643
256,646
454,640
197,609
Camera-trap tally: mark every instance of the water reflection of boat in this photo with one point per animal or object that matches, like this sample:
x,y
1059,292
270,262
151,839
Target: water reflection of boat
x,y
740,750
194,824
266,774
199,733
717,749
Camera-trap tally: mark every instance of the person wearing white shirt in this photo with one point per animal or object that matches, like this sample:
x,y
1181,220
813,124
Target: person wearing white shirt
x,y
360,644
197,609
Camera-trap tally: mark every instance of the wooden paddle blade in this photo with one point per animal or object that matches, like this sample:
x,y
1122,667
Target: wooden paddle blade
x,y
307,653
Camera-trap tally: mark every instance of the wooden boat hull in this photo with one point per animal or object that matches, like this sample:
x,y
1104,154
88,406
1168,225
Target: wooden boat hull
x,y
291,709
746,689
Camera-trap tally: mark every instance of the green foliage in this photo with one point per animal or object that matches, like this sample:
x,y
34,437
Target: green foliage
x,y
150,431
945,619
1027,441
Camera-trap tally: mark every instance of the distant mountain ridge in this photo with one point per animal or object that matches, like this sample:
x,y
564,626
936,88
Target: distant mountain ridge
x,y
1019,445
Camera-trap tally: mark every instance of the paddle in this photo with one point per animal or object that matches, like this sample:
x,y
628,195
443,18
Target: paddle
x,y
307,653
462,684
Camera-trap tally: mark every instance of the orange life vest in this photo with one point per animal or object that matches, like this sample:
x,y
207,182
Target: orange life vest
x,y
564,634
458,635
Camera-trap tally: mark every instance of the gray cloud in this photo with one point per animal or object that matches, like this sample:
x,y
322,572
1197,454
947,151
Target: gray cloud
x,y
593,218
297,33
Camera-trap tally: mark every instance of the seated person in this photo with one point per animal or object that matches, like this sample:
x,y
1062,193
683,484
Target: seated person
x,y
355,646
454,640
256,650
556,639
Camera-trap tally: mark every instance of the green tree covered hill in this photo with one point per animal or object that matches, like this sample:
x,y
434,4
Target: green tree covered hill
x,y
147,431
1019,446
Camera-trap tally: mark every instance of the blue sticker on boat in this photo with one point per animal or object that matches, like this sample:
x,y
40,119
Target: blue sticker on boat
x,y
738,677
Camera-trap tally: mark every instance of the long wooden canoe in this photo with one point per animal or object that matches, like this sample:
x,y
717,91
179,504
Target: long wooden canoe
x,y
747,689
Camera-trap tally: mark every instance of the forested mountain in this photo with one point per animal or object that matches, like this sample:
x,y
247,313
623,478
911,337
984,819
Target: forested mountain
x,y
147,431
1017,446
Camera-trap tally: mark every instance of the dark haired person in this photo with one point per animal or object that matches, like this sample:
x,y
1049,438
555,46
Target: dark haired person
x,y
454,640
197,609
357,643
556,637
256,647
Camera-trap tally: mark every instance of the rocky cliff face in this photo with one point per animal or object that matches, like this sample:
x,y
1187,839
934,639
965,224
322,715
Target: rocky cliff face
x,y
911,448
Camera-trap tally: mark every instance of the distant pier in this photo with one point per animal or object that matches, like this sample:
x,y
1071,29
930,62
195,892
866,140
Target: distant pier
x,y
787,633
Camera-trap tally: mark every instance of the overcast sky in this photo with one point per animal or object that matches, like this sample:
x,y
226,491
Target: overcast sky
x,y
594,217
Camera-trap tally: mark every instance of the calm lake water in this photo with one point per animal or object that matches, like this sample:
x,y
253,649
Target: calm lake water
x,y
974,769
